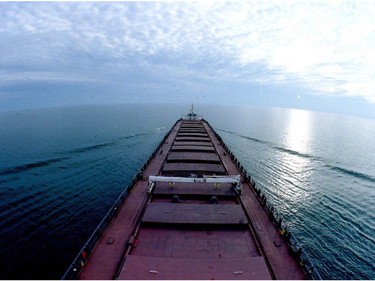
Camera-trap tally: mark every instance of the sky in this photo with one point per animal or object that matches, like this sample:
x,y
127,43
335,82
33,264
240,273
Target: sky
x,y
317,55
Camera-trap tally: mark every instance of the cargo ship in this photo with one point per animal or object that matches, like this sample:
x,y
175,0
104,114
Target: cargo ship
x,y
192,212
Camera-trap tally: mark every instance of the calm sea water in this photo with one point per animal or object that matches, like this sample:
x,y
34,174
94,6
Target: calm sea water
x,y
62,169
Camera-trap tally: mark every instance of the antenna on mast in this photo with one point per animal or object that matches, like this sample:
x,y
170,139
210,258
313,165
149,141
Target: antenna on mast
x,y
192,115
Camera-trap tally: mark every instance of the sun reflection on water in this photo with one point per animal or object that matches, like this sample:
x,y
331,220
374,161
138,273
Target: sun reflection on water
x,y
298,134
295,160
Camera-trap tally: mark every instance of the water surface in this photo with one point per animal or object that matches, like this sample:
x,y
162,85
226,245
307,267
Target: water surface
x,y
61,169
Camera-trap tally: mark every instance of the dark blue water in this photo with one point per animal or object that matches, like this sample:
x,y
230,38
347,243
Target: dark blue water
x,y
61,170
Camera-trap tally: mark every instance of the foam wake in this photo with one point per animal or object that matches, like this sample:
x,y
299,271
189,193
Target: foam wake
x,y
30,166
282,149
352,173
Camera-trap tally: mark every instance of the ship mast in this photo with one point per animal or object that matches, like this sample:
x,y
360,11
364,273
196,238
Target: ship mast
x,y
191,115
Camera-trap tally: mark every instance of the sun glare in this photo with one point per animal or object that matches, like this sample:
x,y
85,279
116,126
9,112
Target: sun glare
x,y
297,139
298,132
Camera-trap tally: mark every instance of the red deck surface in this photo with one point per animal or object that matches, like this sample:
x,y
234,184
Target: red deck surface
x,y
174,242
192,143
195,156
143,267
195,189
194,168
193,239
206,214
195,148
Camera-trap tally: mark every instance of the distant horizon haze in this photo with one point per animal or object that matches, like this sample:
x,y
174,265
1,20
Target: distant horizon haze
x,y
313,55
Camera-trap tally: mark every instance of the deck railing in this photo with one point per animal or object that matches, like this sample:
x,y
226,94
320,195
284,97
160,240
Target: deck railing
x,y
294,245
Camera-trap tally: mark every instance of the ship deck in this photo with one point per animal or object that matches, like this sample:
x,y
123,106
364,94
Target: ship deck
x,y
191,230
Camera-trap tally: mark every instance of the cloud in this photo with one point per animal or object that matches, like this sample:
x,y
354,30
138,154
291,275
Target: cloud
x,y
325,46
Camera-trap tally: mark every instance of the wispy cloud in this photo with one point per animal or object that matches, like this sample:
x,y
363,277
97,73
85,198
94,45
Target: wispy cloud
x,y
326,46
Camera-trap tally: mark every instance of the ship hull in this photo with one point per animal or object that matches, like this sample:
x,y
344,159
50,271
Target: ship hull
x,y
192,212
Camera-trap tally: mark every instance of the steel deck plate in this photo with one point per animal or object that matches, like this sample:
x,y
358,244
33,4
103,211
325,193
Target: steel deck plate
x,y
178,213
156,268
